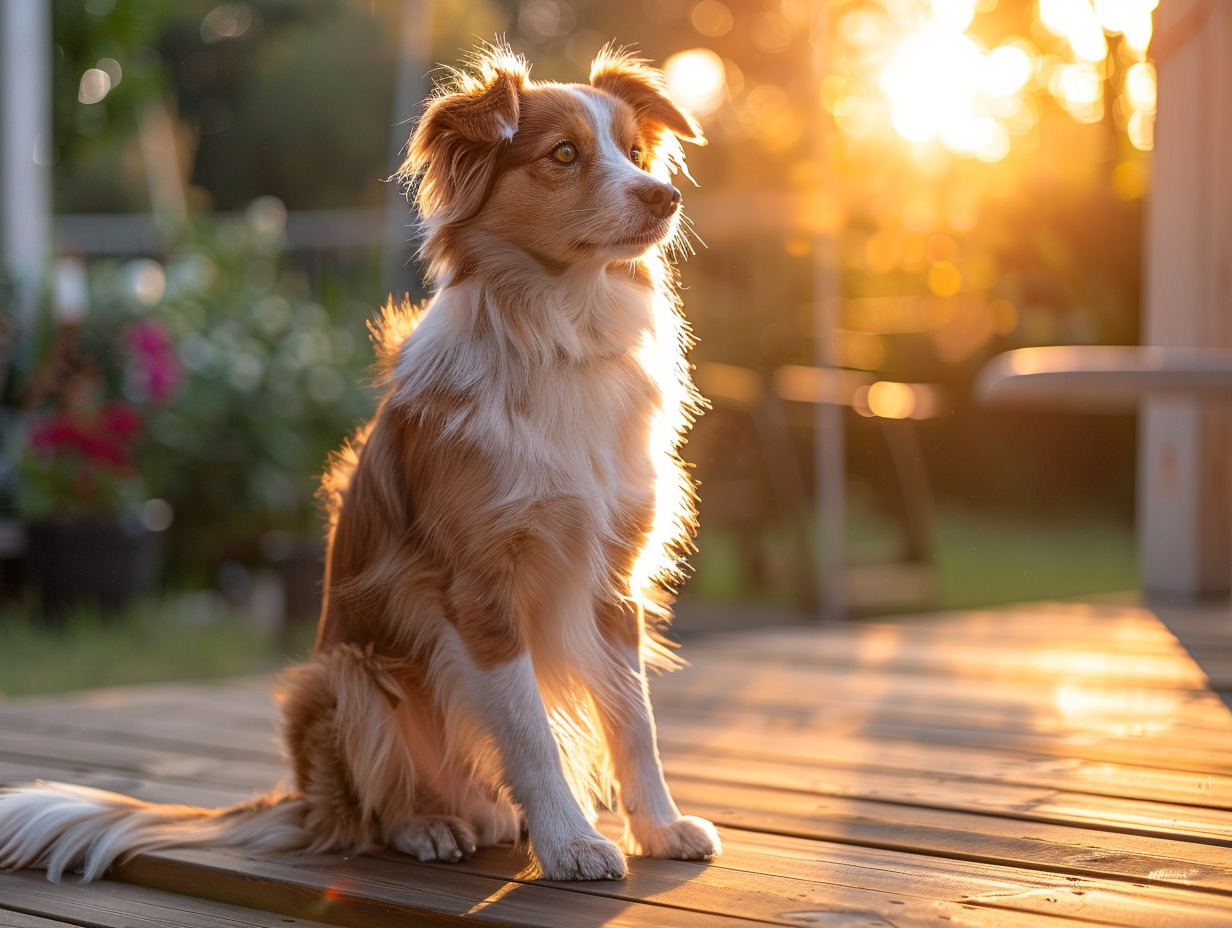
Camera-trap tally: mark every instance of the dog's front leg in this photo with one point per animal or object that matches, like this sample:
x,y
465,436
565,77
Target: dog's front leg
x,y
566,845
655,826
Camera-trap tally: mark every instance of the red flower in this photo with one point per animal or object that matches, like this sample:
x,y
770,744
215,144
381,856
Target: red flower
x,y
121,421
102,439
58,433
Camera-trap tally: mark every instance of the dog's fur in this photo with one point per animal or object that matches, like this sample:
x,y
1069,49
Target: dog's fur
x,y
503,533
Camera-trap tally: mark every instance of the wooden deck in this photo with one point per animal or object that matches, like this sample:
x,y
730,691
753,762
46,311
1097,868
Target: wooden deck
x,y
1044,766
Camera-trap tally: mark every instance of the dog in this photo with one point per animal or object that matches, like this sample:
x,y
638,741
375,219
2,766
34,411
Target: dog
x,y
505,534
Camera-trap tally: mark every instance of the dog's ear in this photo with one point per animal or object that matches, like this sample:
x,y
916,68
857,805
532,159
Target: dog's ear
x,y
622,74
454,148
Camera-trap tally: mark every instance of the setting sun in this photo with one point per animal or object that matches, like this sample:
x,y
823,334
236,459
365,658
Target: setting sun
x,y
942,86
924,72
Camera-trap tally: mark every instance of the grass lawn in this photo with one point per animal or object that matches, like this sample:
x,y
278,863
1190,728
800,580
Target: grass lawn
x,y
985,560
981,558
174,639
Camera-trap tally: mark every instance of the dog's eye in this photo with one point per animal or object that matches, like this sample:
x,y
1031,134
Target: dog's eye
x,y
636,155
565,153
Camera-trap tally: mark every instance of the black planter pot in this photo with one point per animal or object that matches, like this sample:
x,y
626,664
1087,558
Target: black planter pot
x,y
98,564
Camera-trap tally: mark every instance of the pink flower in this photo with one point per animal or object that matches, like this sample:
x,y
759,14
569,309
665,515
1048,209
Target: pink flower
x,y
154,364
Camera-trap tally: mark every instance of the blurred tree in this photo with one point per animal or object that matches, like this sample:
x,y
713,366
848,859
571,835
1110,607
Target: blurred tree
x,y
106,73
288,99
283,97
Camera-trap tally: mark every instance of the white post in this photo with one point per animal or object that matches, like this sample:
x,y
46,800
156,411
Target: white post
x,y
25,146
1185,447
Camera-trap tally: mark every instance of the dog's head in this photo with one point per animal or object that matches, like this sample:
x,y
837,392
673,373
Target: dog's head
x,y
564,172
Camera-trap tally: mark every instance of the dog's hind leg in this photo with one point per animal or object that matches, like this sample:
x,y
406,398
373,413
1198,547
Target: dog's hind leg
x,y
346,731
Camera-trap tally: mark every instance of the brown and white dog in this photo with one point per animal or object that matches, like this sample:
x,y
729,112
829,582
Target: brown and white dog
x,y
503,533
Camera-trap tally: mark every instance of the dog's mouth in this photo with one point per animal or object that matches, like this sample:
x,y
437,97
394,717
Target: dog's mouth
x,y
656,231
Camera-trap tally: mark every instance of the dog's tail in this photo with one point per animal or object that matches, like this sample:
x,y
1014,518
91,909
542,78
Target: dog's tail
x,y
59,827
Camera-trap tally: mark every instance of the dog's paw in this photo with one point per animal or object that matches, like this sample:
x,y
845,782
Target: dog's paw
x,y
433,837
588,857
687,838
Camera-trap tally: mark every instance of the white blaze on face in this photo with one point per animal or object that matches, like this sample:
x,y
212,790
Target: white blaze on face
x,y
611,153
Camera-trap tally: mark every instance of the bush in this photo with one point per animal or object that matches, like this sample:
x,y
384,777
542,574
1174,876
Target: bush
x,y
267,383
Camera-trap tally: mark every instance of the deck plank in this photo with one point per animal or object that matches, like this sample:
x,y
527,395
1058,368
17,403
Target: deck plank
x,y
376,892
1070,701
11,919
1050,765
112,904
657,893
846,752
961,836
959,794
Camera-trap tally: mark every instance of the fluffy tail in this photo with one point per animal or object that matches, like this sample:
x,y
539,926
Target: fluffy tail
x,y
59,827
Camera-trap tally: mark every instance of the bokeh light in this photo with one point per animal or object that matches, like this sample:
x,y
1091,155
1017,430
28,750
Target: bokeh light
x,y
1140,86
944,87
1079,88
890,400
1129,18
95,85
712,18
227,21
1076,22
1141,129
698,79
1007,69
113,69
1140,97
147,281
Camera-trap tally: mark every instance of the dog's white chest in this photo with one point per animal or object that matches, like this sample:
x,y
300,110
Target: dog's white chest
x,y
585,430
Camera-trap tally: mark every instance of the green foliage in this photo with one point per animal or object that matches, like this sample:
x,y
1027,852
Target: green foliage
x,y
297,107
91,138
68,487
272,383
280,97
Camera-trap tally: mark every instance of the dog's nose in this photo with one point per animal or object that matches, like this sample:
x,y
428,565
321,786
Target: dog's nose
x,y
661,198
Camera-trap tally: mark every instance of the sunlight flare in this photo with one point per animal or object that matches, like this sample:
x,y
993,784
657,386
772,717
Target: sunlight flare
x,y
943,87
940,85
697,78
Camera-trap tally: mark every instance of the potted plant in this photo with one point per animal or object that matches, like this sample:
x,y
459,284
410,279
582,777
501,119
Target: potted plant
x,y
236,381
78,488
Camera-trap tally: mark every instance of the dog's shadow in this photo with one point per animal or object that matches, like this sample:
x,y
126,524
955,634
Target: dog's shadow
x,y
586,904
493,886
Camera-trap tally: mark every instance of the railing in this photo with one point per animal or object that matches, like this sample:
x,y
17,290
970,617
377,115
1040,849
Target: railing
x,y
136,234
332,244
